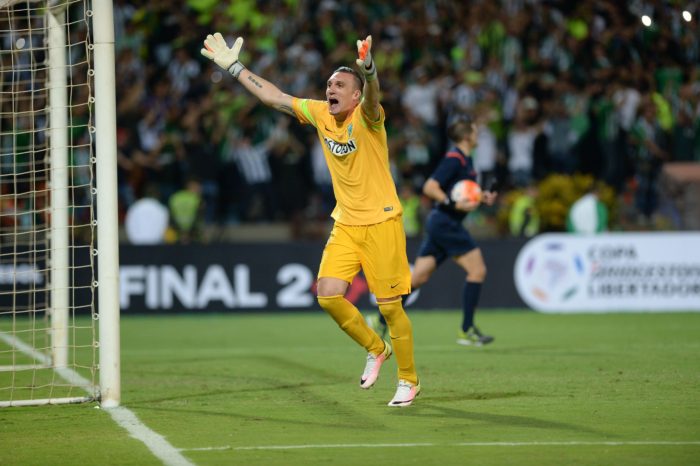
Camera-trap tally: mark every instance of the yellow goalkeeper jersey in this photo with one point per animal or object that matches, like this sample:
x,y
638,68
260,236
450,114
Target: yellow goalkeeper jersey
x,y
357,155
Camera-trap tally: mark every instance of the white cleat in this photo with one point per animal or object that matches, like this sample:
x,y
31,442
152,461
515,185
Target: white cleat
x,y
406,392
374,363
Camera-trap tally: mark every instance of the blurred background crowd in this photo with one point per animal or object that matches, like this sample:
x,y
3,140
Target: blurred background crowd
x,y
572,98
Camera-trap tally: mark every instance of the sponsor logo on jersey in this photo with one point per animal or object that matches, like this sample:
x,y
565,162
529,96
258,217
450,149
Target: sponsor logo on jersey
x,y
340,149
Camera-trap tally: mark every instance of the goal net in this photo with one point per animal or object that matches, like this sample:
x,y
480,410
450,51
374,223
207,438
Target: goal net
x,y
49,320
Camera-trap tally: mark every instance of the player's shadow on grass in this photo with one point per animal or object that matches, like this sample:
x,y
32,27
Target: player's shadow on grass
x,y
524,349
261,385
268,378
262,363
295,367
271,420
425,409
480,396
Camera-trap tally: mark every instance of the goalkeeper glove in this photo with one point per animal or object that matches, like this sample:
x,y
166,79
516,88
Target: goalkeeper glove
x,y
215,49
365,61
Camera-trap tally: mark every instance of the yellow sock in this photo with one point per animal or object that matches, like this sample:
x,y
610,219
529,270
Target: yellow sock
x,y
349,318
401,333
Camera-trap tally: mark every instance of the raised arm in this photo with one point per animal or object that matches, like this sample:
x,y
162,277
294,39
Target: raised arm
x,y
370,101
216,49
268,93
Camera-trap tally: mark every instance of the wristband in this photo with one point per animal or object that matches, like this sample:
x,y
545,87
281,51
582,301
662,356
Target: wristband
x,y
447,202
236,69
371,72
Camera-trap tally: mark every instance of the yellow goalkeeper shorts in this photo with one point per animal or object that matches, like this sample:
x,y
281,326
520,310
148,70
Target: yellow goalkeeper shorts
x,y
379,249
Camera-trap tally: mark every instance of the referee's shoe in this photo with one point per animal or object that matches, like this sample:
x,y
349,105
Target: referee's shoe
x,y
473,337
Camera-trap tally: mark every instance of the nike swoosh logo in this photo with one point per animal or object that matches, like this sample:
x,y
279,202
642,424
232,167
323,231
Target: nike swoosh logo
x,y
394,286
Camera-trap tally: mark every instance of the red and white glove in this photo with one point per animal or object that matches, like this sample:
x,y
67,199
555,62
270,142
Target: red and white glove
x,y
365,61
215,49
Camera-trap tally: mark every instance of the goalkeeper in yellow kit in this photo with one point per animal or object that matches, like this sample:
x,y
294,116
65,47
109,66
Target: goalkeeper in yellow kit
x,y
368,231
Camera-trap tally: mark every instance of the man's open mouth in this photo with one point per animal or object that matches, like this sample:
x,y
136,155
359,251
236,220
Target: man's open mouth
x,y
332,101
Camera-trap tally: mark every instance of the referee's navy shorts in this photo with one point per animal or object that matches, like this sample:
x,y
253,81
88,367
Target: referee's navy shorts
x,y
445,237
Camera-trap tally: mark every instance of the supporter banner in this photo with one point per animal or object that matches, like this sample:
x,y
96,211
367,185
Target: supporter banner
x,y
610,272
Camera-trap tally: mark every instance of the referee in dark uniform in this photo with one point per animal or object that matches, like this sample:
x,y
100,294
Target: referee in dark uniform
x,y
445,235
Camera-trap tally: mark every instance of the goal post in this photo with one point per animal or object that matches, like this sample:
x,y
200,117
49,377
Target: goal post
x,y
59,306
58,162
107,225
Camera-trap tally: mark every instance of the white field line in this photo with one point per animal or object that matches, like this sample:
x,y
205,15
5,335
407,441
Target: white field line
x,y
156,443
460,444
161,448
12,340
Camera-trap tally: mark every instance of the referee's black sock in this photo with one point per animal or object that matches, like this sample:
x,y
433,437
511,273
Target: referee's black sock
x,y
470,298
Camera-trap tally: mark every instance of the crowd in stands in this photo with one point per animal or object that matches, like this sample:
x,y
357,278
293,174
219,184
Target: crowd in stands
x,y
557,87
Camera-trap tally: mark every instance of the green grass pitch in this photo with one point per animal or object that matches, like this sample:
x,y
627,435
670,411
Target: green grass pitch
x,y
282,389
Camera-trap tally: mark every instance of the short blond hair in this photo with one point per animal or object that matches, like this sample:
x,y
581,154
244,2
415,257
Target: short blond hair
x,y
358,78
460,128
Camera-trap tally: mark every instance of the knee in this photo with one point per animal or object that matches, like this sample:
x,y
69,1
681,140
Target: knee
x,y
328,302
399,325
419,279
335,307
477,273
395,316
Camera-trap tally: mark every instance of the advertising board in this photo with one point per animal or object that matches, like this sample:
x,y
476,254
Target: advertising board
x,y
610,272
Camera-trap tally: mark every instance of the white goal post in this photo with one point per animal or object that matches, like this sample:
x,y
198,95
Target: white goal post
x,y
59,257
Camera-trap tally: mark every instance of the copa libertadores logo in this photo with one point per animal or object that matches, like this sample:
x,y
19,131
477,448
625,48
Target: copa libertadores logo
x,y
550,273
610,272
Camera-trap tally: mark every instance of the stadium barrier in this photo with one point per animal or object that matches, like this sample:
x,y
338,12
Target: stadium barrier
x,y
611,272
648,271
279,276
259,277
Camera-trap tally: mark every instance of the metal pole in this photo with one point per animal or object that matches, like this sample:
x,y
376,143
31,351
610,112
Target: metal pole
x,y
107,221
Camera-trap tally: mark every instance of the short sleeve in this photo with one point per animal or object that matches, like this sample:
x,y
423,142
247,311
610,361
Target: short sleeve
x,y
369,123
445,171
307,110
